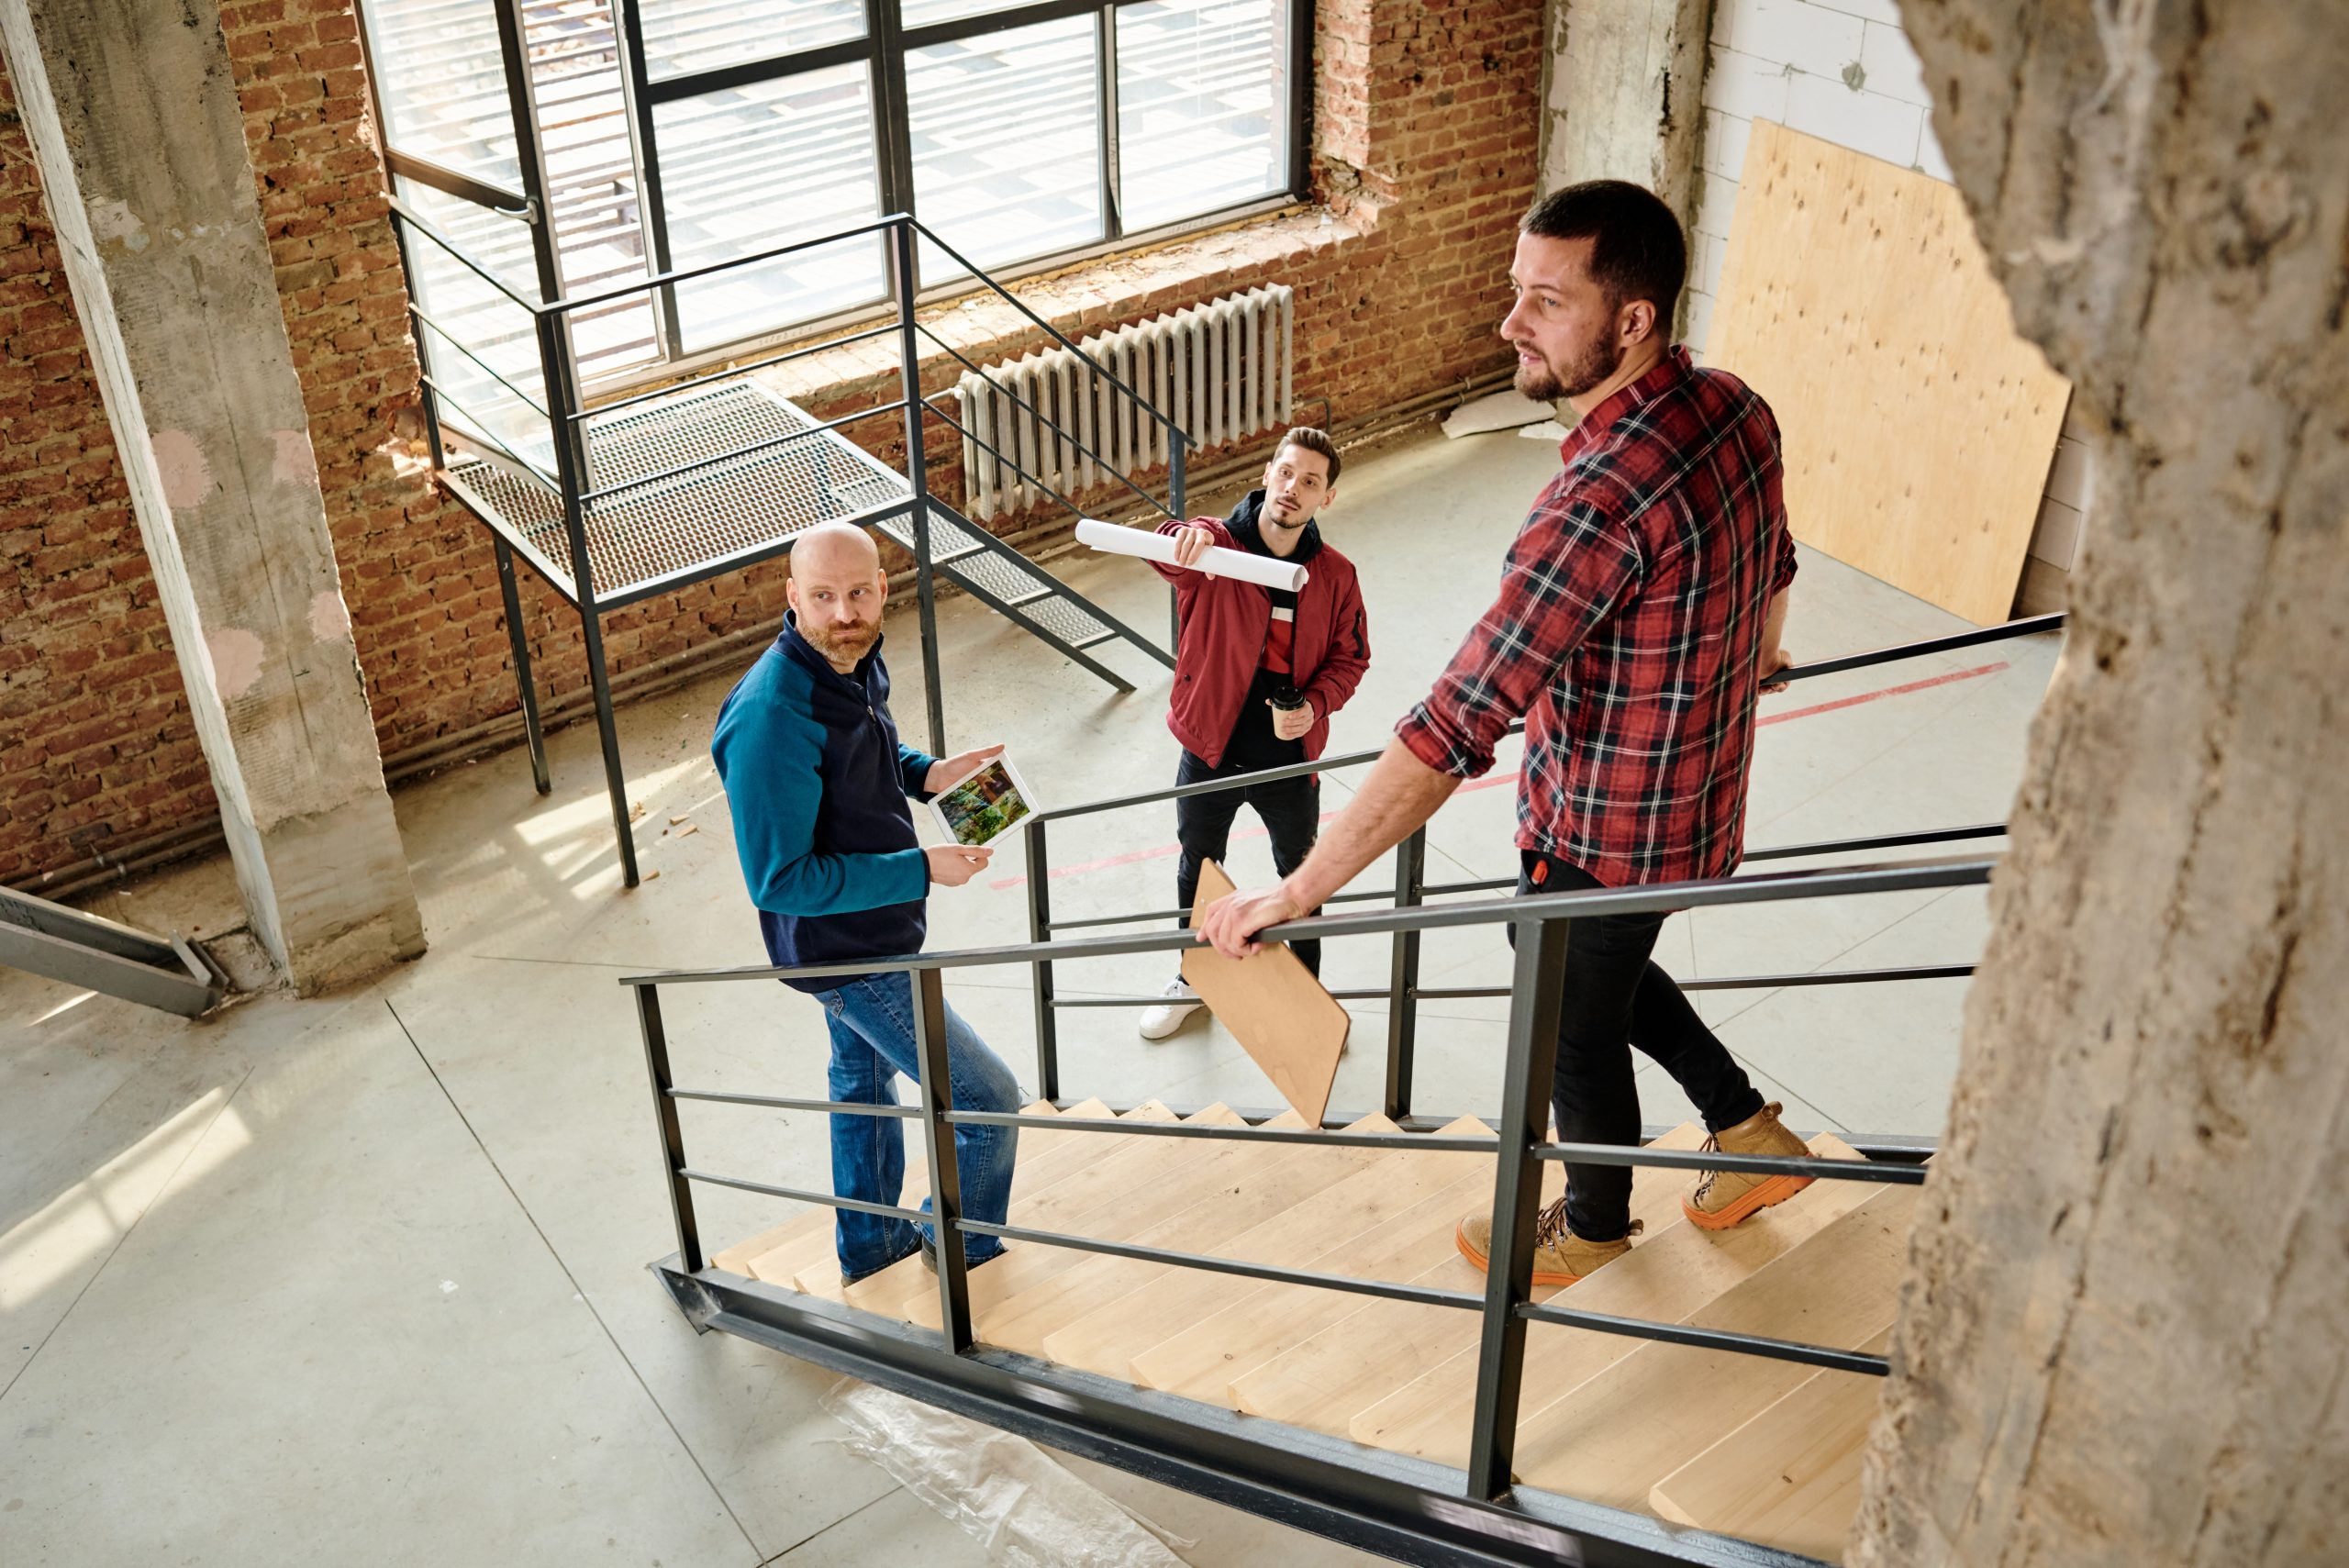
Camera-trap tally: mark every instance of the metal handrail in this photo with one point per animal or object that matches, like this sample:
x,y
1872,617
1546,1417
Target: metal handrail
x,y
417,221
1646,898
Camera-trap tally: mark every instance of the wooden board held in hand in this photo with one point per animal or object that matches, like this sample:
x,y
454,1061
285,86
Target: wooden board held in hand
x,y
1274,1006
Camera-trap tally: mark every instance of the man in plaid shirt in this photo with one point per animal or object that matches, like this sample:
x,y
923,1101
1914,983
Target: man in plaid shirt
x,y
1639,618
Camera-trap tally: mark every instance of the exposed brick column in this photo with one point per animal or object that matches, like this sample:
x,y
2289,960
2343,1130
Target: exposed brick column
x,y
133,117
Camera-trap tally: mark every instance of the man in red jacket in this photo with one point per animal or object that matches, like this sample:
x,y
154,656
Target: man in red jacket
x,y
1257,676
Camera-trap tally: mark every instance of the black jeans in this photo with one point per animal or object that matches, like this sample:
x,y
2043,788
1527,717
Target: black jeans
x,y
1615,998
1291,812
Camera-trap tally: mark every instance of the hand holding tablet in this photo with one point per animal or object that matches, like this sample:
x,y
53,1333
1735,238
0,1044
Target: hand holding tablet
x,y
983,803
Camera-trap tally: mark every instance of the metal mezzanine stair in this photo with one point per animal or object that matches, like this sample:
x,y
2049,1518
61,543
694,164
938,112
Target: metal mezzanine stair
x,y
1769,1451
721,476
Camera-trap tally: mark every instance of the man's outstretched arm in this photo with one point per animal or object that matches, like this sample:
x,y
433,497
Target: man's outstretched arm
x,y
1399,794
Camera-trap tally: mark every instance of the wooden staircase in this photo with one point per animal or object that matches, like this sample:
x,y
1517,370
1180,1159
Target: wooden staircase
x,y
1765,1450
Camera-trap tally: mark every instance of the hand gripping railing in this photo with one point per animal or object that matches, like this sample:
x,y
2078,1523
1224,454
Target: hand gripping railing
x,y
1403,992
1539,926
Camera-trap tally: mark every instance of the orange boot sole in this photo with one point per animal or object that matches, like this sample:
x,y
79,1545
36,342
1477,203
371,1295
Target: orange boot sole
x,y
1776,1190
1484,1264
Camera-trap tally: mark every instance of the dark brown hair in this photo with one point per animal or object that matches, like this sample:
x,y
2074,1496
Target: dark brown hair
x,y
1637,249
1312,440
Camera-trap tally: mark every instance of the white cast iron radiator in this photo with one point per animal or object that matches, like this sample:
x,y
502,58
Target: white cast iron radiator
x,y
1219,371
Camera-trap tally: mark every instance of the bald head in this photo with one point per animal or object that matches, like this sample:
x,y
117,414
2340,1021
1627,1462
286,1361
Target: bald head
x,y
837,590
832,549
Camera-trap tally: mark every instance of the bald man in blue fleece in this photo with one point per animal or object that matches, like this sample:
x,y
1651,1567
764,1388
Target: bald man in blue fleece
x,y
816,780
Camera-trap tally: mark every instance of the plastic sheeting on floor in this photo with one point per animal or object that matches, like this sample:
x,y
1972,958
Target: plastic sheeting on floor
x,y
1011,1496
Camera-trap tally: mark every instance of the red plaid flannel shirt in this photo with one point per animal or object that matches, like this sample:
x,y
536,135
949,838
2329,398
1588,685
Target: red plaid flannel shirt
x,y
1628,634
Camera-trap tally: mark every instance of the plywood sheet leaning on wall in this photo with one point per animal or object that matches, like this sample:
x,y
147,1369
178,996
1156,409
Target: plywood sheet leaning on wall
x,y
1918,427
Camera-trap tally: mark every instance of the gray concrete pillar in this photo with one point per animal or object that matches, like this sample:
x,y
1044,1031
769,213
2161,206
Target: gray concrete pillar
x,y
1621,84
132,112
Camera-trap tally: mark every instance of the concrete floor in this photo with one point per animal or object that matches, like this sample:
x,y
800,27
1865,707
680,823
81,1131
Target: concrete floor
x,y
361,1279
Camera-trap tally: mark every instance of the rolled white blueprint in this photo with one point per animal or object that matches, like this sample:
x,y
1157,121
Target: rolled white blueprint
x,y
1263,571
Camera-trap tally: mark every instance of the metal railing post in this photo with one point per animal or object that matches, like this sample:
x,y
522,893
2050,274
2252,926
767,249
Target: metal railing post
x,y
1040,929
937,1091
1403,983
917,475
524,685
572,468
1175,486
673,1137
1535,996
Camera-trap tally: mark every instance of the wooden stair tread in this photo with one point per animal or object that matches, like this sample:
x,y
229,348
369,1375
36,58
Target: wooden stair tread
x,y
811,1261
1255,1324
1667,1276
1612,1438
1111,1198
1789,1477
1232,1189
1325,1381
1108,1341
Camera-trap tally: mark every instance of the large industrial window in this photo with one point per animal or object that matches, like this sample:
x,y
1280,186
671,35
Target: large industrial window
x,y
663,135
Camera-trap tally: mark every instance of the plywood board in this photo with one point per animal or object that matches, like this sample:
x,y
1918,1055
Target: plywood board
x,y
1918,426
1788,1478
1274,1006
1676,1271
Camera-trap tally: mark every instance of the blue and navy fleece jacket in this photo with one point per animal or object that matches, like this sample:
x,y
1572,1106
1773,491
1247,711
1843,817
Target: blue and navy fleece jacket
x,y
816,780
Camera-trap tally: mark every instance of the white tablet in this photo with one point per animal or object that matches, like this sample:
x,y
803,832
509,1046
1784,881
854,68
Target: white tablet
x,y
985,804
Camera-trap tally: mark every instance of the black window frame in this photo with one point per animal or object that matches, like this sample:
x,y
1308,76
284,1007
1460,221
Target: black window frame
x,y
882,52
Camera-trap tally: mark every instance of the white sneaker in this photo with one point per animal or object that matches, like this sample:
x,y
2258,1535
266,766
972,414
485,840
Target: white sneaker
x,y
1168,1015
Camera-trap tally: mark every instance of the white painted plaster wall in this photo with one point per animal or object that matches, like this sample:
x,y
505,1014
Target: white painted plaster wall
x,y
1842,70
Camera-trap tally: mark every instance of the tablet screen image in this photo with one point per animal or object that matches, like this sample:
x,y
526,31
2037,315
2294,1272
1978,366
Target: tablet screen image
x,y
982,806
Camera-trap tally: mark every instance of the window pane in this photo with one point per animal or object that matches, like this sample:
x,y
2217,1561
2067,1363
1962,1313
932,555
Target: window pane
x,y
1199,92
921,12
591,180
1007,143
751,168
443,83
484,385
682,35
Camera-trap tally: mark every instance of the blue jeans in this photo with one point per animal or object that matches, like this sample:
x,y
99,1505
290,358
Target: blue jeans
x,y
872,1023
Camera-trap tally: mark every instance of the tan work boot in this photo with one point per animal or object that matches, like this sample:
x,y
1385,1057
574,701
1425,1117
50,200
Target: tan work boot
x,y
1560,1257
1721,1198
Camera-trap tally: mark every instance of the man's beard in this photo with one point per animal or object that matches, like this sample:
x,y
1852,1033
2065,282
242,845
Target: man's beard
x,y
1590,367
842,647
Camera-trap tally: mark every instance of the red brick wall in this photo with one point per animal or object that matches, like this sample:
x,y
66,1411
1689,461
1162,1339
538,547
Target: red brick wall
x,y
1425,153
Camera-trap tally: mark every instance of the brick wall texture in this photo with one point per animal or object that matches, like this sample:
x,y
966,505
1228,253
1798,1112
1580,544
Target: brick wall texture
x,y
1424,155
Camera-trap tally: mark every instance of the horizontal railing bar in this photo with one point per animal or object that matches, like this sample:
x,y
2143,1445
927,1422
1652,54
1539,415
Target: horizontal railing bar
x,y
1458,993
1300,1136
1210,786
441,398
1706,1338
2027,626
1041,417
687,274
1357,897
1660,898
830,1200
456,183
488,369
1486,885
697,464
1424,1295
1372,995
727,372
1738,981
775,1102
400,210
1878,841
1722,1159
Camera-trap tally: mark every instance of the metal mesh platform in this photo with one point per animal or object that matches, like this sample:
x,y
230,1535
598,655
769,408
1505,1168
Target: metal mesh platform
x,y
665,528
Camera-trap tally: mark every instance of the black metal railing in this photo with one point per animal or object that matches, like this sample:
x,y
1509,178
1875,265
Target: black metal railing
x,y
1538,925
556,449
